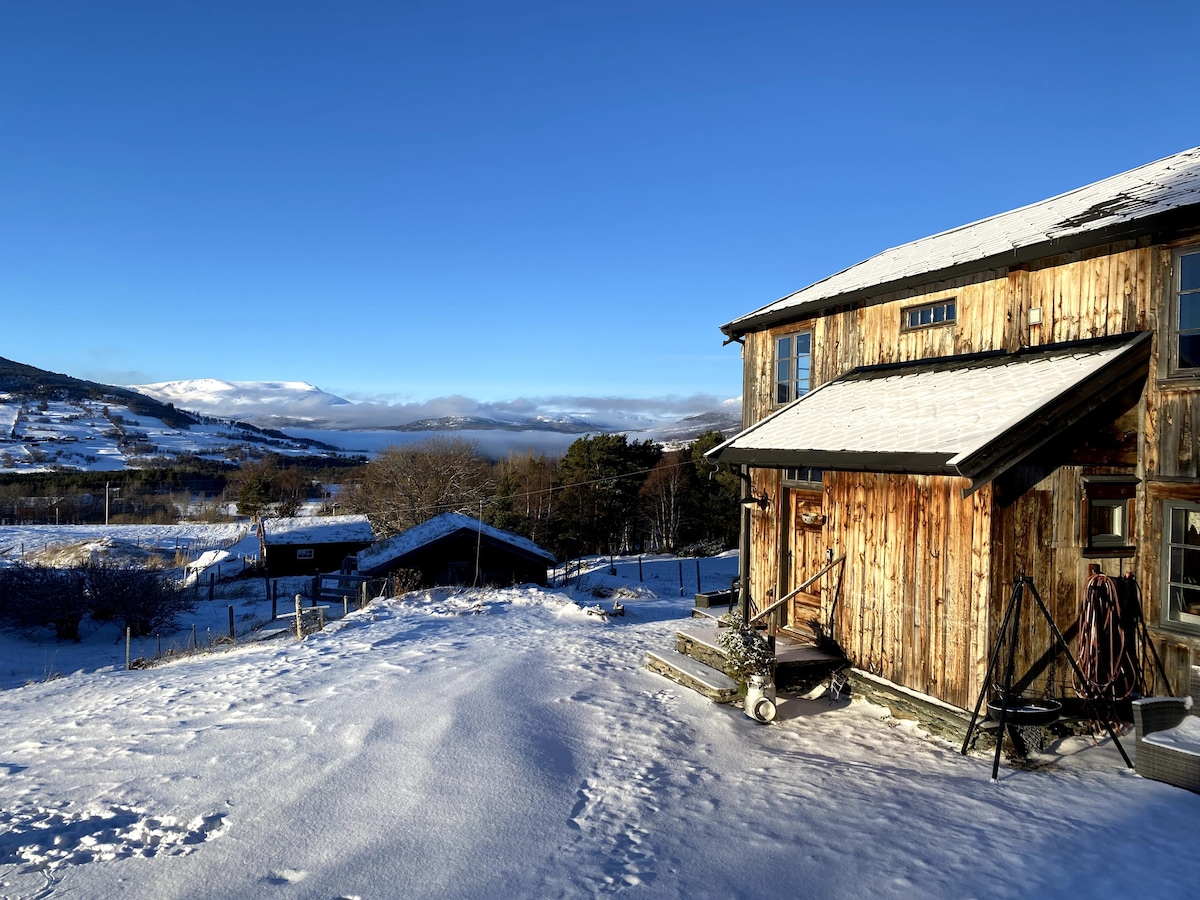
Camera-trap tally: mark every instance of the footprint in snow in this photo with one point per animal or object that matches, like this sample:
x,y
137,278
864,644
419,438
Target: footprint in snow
x,y
286,876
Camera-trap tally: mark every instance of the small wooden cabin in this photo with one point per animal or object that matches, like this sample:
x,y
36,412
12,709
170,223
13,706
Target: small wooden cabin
x,y
305,545
1018,395
453,549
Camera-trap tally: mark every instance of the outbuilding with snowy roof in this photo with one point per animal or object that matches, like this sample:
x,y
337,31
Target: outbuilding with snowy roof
x,y
454,549
306,545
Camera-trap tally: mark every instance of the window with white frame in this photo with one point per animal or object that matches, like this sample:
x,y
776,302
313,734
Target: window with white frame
x,y
1185,343
943,312
1181,565
304,553
793,366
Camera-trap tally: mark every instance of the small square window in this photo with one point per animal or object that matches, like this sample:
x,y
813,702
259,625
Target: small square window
x,y
1108,515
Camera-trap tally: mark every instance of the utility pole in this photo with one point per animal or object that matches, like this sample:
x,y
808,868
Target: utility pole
x,y
107,493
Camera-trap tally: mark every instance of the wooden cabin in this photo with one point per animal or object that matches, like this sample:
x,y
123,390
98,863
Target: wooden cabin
x,y
1018,395
453,549
306,545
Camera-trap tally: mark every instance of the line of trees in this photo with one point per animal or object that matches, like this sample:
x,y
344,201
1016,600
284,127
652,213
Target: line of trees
x,y
606,494
144,600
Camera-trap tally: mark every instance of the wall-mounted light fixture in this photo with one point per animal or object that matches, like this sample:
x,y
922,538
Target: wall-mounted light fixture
x,y
761,502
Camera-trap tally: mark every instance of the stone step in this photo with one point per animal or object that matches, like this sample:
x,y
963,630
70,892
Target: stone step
x,y
700,643
691,673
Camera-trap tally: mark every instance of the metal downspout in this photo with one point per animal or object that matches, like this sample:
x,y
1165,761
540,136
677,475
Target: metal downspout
x,y
744,548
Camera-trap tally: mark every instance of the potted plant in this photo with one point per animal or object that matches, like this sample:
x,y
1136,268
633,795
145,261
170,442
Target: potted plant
x,y
750,659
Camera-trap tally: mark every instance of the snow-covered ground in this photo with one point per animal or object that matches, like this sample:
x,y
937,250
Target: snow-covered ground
x,y
506,743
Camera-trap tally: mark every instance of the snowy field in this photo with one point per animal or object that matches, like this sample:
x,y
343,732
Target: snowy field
x,y
506,743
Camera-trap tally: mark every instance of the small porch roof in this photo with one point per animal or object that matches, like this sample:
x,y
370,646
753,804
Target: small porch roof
x,y
971,416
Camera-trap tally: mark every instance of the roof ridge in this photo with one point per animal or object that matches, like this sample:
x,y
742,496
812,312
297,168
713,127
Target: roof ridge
x,y
1117,200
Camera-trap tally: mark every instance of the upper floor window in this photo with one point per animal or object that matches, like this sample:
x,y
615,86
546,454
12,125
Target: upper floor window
x,y
1186,343
793,366
1181,565
804,477
943,312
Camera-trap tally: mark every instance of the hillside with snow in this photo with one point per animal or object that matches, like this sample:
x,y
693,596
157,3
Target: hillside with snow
x,y
481,743
50,421
43,435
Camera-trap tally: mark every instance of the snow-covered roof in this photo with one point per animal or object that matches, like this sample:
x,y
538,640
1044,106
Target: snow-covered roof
x,y
1115,207
943,416
318,530
435,529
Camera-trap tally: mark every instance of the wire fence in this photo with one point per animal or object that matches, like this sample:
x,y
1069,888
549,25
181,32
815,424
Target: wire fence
x,y
238,612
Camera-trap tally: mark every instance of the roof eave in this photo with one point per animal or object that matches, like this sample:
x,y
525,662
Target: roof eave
x,y
1172,220
841,460
988,462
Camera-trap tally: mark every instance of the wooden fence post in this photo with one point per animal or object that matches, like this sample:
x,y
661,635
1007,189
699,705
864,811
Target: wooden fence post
x,y
128,642
299,626
232,632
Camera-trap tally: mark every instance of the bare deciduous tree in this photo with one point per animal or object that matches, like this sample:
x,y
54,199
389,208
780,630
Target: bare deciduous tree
x,y
406,485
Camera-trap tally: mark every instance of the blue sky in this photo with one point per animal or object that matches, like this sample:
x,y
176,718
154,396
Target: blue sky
x,y
557,202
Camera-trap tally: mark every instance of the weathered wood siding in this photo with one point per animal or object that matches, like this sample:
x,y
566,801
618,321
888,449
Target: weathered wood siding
x,y
929,573
915,586
1108,290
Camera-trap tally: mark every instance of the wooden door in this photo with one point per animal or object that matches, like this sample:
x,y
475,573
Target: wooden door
x,y
806,554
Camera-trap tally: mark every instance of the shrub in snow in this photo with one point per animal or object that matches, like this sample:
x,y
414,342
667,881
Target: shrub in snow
x,y
33,596
146,600
746,649
702,548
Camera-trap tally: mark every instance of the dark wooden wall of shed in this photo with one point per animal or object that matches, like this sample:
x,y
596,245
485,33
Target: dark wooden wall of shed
x,y
452,561
282,559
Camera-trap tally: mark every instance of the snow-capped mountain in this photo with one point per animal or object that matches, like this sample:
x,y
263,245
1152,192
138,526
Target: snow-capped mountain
x,y
246,400
299,405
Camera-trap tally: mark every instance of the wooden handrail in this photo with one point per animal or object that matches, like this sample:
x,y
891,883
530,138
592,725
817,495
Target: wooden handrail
x,y
782,600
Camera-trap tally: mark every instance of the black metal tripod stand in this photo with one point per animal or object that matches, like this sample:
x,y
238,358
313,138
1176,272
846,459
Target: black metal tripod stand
x,y
1009,630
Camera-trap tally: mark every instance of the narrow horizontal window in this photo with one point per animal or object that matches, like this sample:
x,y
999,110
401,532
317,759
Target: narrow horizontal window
x,y
805,476
944,312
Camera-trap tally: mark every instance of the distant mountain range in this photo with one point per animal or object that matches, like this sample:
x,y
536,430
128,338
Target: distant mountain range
x,y
53,421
